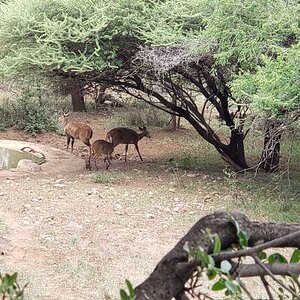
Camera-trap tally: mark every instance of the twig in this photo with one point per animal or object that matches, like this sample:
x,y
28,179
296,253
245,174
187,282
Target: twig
x,y
257,260
256,249
243,286
266,285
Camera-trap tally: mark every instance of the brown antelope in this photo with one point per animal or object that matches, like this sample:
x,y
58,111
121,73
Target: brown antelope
x,y
74,130
123,135
104,149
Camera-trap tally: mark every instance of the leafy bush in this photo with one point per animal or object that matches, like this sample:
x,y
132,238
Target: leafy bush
x,y
28,112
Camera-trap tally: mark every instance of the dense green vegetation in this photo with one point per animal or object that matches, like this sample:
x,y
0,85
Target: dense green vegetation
x,y
241,56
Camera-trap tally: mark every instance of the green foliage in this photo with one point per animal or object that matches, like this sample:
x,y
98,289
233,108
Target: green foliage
x,y
274,88
70,36
131,292
9,288
28,112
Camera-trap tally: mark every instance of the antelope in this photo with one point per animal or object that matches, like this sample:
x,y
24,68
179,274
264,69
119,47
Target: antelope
x,y
123,135
104,149
74,130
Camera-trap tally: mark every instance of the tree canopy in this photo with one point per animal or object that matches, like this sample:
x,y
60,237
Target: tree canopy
x,y
237,54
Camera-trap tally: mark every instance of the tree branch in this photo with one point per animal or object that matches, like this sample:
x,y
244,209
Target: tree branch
x,y
252,270
167,281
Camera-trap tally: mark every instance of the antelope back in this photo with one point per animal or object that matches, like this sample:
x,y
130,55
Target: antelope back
x,y
79,131
122,135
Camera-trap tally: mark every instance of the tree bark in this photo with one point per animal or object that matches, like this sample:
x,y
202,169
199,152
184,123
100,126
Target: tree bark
x,y
76,95
270,157
173,271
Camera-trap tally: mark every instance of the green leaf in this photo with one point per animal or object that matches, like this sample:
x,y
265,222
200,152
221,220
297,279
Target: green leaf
x,y
124,295
243,238
217,246
231,286
295,256
226,266
211,273
262,255
219,285
277,258
130,288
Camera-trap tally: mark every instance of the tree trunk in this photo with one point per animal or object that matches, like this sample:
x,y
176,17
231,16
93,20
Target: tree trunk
x,y
100,99
173,117
235,151
171,274
76,95
270,157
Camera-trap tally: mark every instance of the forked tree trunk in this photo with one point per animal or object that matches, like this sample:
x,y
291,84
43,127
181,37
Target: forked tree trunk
x,y
270,157
76,95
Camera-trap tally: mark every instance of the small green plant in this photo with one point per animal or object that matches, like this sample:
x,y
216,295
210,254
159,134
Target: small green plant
x,y
131,292
108,177
9,287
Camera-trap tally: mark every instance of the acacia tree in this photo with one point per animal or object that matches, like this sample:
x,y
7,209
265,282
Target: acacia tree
x,y
167,57
231,52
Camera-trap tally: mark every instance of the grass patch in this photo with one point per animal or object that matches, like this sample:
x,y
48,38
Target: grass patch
x,y
108,177
267,195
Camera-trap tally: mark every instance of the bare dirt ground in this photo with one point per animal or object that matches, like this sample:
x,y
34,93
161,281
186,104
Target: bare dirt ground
x,y
72,238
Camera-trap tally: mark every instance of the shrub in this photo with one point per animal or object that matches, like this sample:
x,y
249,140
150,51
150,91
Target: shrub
x,y
28,112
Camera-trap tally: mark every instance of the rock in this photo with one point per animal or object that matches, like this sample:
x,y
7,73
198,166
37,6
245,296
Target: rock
x,y
27,165
192,175
150,216
59,185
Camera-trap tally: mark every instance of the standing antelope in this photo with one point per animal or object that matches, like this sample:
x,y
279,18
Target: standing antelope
x,y
75,130
123,135
104,149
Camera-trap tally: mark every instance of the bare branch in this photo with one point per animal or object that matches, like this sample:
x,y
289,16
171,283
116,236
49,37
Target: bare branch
x,y
266,285
272,244
252,270
257,260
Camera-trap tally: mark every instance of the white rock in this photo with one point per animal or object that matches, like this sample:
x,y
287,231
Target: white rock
x,y
28,166
150,216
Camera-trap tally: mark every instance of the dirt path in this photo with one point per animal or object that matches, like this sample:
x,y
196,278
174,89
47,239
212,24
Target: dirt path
x,y
74,239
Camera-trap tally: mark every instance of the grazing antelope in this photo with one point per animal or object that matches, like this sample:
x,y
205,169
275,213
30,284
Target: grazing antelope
x,y
104,149
74,130
123,135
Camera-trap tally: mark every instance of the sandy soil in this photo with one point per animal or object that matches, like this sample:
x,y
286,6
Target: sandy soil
x,y
72,238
